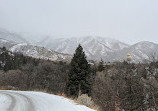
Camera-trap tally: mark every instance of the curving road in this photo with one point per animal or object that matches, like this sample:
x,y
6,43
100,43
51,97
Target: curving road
x,y
36,101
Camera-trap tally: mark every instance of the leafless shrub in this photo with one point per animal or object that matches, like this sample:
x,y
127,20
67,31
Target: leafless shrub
x,y
84,99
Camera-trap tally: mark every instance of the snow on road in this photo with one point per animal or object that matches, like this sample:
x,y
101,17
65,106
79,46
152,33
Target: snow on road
x,y
36,101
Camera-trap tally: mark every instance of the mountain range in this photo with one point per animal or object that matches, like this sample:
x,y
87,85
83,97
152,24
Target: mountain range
x,y
14,37
107,49
96,48
15,43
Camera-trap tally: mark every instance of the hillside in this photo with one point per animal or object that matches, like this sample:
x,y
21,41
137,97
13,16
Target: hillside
x,y
110,50
34,51
94,47
140,52
14,37
61,49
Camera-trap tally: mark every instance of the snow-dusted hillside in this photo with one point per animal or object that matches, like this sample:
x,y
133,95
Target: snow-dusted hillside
x,y
95,47
14,37
6,43
34,51
140,52
39,52
36,101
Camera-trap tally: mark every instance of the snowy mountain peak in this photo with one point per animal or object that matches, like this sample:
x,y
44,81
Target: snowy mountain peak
x,y
95,47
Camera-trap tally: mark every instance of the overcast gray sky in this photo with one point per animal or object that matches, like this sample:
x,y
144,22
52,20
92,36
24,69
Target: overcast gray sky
x,y
126,20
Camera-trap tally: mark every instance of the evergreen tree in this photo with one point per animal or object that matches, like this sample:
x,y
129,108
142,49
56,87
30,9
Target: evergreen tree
x,y
100,66
79,75
6,60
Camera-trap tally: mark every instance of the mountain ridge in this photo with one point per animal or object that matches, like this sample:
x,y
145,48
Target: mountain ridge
x,y
95,47
107,49
34,51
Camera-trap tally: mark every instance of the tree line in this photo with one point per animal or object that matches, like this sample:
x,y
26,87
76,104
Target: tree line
x,y
12,61
120,86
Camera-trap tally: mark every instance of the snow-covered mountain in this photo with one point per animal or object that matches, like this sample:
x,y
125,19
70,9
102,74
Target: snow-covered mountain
x,y
34,51
14,37
94,47
140,52
6,43
97,48
32,38
39,52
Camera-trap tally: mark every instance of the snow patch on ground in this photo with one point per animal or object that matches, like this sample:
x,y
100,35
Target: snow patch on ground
x,y
5,101
18,46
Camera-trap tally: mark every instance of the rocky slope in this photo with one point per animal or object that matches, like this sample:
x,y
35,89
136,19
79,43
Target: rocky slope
x,y
110,50
34,51
94,47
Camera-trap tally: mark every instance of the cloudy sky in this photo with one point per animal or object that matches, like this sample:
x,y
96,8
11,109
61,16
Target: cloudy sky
x,y
126,20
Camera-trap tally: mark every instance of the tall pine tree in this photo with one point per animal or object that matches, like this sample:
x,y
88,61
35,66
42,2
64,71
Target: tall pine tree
x,y
79,75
